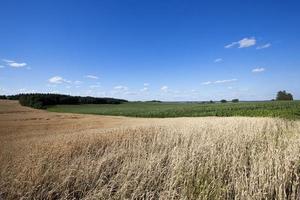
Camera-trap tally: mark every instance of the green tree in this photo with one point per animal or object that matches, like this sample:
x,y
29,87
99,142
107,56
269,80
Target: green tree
x,y
284,96
223,101
235,100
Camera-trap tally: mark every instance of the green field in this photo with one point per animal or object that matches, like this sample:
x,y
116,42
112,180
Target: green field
x,y
283,109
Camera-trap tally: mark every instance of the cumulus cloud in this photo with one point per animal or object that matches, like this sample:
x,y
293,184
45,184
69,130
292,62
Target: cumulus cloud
x,y
91,76
264,46
17,65
258,70
243,43
164,88
145,88
219,81
58,80
14,64
218,60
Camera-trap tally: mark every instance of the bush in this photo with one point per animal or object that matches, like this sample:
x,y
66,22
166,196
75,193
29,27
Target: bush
x,y
284,96
3,97
235,100
223,101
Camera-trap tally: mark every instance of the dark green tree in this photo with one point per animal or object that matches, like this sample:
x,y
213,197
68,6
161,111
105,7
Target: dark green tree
x,y
284,96
223,101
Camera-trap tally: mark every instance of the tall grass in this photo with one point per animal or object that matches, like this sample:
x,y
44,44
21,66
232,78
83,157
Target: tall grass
x,y
210,158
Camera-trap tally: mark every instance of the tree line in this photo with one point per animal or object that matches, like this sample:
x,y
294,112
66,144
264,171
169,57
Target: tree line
x,y
281,96
40,100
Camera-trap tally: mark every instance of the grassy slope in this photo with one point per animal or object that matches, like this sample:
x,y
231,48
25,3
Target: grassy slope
x,y
289,110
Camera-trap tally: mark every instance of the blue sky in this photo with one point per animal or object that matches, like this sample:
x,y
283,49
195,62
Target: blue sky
x,y
150,49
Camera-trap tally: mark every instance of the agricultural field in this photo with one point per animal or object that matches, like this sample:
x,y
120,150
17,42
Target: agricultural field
x,y
149,100
283,109
47,155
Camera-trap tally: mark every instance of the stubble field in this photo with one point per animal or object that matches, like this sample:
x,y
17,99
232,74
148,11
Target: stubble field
x,y
68,156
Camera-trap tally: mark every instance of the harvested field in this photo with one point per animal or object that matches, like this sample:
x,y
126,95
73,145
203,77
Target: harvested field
x,y
69,156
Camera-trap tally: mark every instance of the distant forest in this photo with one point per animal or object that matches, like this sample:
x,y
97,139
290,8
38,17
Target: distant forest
x,y
41,101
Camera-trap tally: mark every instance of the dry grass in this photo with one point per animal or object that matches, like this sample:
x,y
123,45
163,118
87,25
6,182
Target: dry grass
x,y
183,158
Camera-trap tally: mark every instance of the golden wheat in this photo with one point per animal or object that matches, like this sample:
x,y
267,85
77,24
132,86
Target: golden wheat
x,y
183,158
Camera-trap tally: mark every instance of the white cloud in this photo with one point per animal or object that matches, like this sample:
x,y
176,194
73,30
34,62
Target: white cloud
x,y
131,93
17,65
218,60
247,42
258,70
225,81
264,46
145,89
219,81
7,61
231,45
164,88
243,43
121,87
94,86
54,91
25,90
77,82
14,64
58,80
92,77
207,83
3,90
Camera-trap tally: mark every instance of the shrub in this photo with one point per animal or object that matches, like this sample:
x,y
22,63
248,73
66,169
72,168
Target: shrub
x,y
235,100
